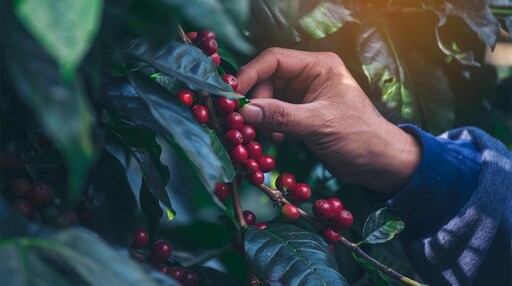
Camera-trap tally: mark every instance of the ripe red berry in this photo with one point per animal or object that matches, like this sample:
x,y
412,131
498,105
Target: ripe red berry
x,y
238,154
208,46
20,187
140,238
231,80
249,217
189,278
24,207
257,178
254,150
222,191
206,34
300,193
248,132
233,138
186,96
176,273
216,59
165,269
200,113
161,251
267,163
342,220
237,104
225,105
331,236
251,166
40,194
192,36
285,181
323,210
336,204
234,120
290,212
262,225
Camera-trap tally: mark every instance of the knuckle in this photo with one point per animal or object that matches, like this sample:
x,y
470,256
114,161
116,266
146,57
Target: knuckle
x,y
280,118
275,51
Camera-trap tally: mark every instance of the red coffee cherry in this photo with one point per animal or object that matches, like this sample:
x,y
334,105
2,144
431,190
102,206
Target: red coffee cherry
x,y
300,193
216,59
24,207
331,236
222,191
189,278
208,46
323,210
257,178
192,36
186,96
140,238
285,182
225,105
254,150
267,163
290,212
336,204
237,103
249,217
176,273
238,154
262,225
231,80
251,166
165,269
248,132
234,120
206,34
342,220
161,251
200,113
233,137
19,187
40,194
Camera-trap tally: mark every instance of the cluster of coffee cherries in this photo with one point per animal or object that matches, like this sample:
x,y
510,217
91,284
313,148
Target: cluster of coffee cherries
x,y
37,201
159,253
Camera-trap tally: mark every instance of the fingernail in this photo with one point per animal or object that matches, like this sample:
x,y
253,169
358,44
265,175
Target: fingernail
x,y
252,114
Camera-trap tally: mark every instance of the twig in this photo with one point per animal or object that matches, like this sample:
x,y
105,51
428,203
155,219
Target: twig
x,y
236,205
183,35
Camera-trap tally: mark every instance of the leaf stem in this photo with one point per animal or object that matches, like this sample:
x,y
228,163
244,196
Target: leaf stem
x,y
236,205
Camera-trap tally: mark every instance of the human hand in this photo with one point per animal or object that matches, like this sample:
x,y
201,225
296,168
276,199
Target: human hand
x,y
314,97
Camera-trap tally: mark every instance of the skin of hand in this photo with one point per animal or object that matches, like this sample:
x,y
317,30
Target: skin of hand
x,y
312,95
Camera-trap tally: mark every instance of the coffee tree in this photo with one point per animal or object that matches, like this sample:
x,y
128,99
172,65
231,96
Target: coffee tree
x,y
124,160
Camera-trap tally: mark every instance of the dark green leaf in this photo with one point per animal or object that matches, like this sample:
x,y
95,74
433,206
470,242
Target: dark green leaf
x,y
326,18
61,107
284,254
227,172
376,276
381,226
150,207
212,277
478,17
64,28
228,57
112,202
186,63
211,14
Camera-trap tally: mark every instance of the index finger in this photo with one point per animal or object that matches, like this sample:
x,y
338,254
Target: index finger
x,y
279,62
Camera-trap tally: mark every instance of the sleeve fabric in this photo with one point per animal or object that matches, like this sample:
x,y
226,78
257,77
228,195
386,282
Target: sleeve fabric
x,y
457,209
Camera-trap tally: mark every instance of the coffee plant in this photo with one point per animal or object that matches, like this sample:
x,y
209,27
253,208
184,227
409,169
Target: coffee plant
x,y
124,160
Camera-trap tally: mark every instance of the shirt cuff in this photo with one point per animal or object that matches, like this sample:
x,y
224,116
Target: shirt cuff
x,y
442,184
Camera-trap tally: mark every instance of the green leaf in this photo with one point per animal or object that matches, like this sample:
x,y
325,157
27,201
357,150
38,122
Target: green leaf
x,y
186,63
381,226
64,28
284,254
215,14
150,207
376,276
228,173
326,18
60,107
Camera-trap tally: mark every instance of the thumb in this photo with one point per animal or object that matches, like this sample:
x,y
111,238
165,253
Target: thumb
x,y
277,116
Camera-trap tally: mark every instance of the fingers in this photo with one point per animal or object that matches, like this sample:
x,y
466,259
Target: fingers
x,y
276,62
278,116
